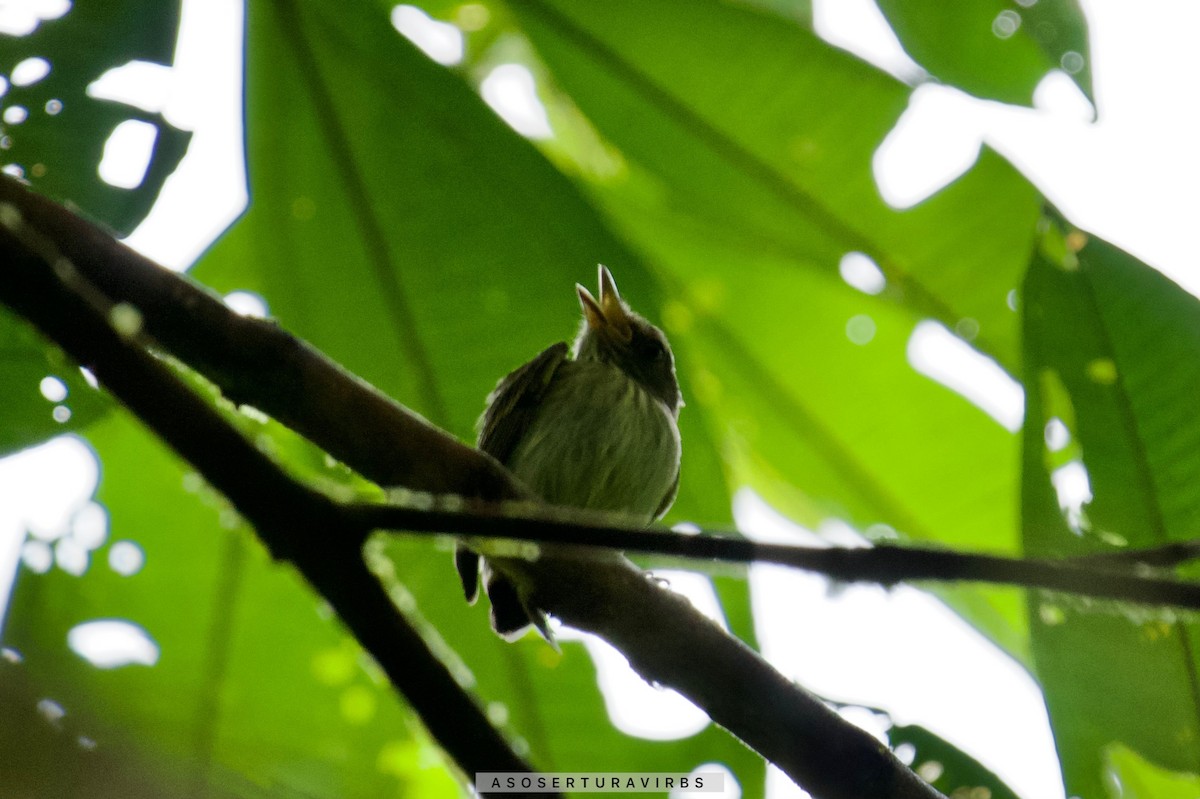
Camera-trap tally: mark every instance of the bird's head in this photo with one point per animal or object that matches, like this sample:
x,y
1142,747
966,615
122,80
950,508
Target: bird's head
x,y
612,333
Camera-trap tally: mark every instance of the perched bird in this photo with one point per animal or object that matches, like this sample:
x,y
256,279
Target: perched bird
x,y
593,428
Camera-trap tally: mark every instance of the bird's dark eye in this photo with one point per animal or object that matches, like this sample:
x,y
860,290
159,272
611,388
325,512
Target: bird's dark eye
x,y
654,349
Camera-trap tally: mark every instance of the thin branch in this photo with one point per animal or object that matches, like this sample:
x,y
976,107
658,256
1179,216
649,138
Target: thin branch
x,y
659,631
885,565
296,523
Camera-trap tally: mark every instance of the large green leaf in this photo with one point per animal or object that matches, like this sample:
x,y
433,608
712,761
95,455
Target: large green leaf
x,y
253,684
746,146
1112,353
758,131
60,143
995,49
401,227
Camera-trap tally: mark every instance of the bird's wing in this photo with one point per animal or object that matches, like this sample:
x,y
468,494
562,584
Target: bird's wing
x,y
515,400
510,410
669,499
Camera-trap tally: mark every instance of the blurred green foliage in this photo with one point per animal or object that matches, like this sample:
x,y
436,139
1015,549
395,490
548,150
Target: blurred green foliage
x,y
716,155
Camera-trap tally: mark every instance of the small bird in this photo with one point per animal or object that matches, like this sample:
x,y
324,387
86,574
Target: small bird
x,y
595,428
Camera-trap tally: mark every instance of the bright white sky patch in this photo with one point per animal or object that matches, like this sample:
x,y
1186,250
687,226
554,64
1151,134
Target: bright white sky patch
x,y
53,389
22,18
1142,144
859,271
30,71
730,788
940,355
127,154
247,303
40,490
15,114
634,706
935,141
511,92
70,556
202,94
860,27
1060,96
89,527
141,84
441,41
900,650
1073,486
37,556
109,643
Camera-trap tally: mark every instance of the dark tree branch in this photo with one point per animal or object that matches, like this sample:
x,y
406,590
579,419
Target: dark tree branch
x,y
296,523
255,362
663,636
670,643
1107,576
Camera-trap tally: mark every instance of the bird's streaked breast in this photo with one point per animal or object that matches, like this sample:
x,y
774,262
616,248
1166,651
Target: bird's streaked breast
x,y
600,441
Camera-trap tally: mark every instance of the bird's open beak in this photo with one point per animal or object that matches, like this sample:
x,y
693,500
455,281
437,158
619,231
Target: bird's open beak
x,y
608,315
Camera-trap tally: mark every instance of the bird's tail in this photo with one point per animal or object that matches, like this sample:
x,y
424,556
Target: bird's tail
x,y
511,613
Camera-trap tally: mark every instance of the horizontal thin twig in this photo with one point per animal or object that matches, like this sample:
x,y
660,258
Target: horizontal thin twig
x,y
885,565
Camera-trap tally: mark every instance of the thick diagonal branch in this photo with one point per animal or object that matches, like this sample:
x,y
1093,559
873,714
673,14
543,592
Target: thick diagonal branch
x,y
255,362
296,523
